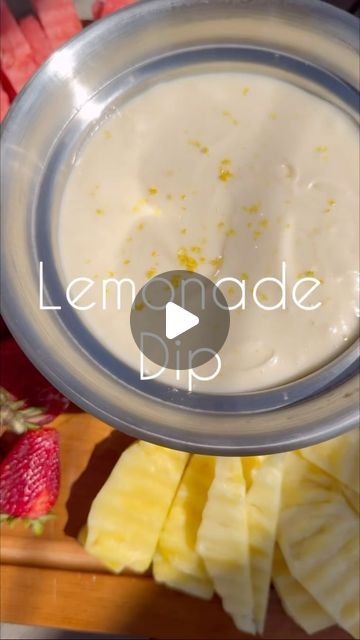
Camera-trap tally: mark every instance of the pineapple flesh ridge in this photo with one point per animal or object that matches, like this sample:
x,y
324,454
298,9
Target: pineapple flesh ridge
x,y
297,602
263,507
223,542
319,538
176,562
128,513
340,457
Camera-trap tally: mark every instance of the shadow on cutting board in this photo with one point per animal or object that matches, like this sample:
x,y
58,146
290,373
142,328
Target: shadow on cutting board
x,y
102,461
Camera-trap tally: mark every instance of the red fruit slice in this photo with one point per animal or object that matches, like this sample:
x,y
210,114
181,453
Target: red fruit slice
x,y
17,62
37,39
4,103
59,20
114,5
30,476
20,378
97,8
7,86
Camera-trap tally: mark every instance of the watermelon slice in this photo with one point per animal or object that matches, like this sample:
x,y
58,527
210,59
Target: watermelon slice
x,y
37,39
97,8
4,103
17,62
59,20
109,6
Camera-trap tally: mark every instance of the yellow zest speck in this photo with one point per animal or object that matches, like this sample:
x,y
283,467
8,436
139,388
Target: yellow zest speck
x,y
169,196
184,231
127,261
185,260
100,212
220,225
153,191
88,261
253,208
199,145
139,306
231,290
229,115
140,226
202,259
225,162
230,233
169,173
154,253
183,208
257,234
246,91
107,134
244,276
321,149
272,115
249,225
331,202
111,274
263,297
140,203
196,249
183,196
217,262
129,239
288,226
151,273
225,174
264,223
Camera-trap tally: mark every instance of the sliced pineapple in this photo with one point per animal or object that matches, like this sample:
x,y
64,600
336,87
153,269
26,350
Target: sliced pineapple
x,y
176,551
82,535
339,457
319,538
297,602
166,573
351,496
223,542
263,506
128,513
250,466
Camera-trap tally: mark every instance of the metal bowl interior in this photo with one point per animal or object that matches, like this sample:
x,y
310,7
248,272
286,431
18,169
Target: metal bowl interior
x,y
306,42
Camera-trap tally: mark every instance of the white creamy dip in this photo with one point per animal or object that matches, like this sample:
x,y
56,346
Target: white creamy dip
x,y
226,175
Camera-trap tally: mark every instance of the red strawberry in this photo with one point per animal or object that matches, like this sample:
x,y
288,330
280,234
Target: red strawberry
x,y
20,378
30,478
17,416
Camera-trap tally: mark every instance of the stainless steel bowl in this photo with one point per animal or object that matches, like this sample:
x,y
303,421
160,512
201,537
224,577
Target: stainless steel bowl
x,y
305,42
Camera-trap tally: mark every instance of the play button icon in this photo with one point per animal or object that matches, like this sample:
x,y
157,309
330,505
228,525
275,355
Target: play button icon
x,y
179,320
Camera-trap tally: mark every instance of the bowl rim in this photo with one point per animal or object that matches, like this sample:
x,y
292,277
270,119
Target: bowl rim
x,y
340,365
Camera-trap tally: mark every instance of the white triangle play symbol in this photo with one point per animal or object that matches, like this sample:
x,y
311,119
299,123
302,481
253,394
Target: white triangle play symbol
x,y
178,320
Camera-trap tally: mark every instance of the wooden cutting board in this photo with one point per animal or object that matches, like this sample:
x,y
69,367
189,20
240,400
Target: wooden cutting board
x,y
52,581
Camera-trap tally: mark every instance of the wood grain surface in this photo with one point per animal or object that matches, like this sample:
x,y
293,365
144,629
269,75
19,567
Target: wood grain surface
x,y
52,581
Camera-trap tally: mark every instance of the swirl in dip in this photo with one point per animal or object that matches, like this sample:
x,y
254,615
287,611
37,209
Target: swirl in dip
x,y
226,175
